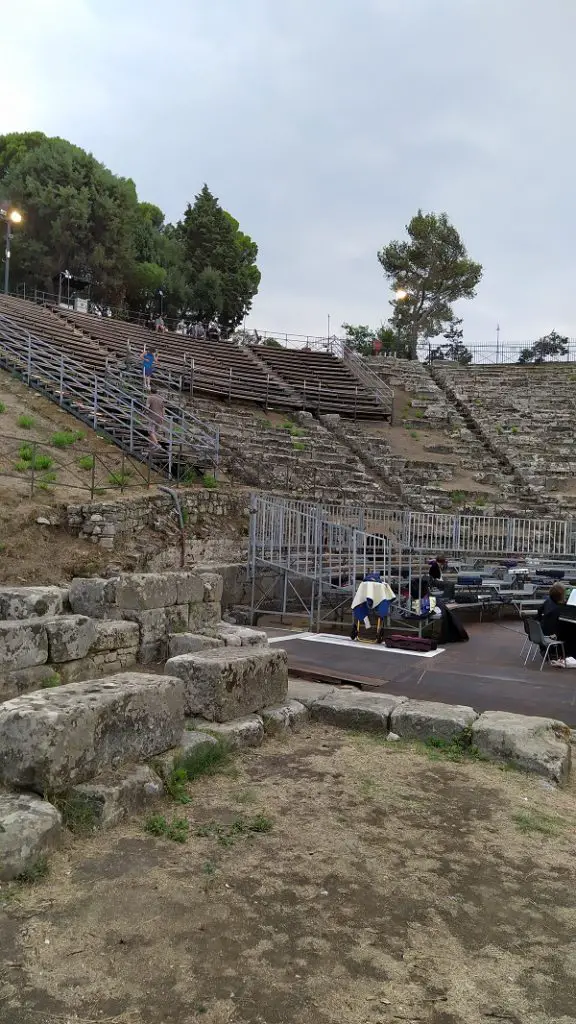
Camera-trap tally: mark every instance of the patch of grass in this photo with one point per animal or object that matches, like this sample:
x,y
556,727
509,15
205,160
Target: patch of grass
x,y
175,785
119,478
65,438
209,868
227,833
25,421
205,760
26,452
78,813
209,481
2,408
247,796
458,749
414,434
21,466
50,681
86,462
299,446
513,430
175,830
189,477
43,462
418,414
38,870
531,821
457,496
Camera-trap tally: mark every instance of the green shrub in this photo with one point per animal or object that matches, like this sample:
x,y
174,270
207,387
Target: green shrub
x,y
25,421
176,830
204,760
209,481
86,462
119,478
26,452
2,407
50,681
64,438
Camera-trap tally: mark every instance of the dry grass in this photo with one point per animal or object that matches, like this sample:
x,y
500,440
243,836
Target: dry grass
x,y
391,887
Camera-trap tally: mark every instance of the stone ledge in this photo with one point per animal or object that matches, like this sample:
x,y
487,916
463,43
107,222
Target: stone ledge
x,y
53,739
352,709
539,745
222,685
241,733
424,720
113,796
29,826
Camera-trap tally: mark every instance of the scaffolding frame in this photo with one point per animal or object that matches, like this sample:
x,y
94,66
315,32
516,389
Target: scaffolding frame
x,y
317,554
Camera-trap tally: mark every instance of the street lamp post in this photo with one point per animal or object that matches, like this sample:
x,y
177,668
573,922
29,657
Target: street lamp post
x,y
11,216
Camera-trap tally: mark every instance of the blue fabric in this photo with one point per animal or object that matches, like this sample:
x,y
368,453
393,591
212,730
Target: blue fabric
x,y
372,577
148,362
362,611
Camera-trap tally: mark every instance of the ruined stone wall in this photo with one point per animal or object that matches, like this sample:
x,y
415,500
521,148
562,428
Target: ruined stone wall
x,y
104,522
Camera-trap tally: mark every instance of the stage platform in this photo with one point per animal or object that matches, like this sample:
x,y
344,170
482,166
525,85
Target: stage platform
x,y
487,672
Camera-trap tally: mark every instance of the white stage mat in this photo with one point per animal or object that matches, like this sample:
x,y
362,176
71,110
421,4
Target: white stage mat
x,y
342,641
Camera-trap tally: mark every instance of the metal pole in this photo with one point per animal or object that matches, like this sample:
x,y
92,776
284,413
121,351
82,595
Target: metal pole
x,y
7,258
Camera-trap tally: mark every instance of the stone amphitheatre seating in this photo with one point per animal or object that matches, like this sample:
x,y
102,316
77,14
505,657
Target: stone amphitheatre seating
x,y
527,412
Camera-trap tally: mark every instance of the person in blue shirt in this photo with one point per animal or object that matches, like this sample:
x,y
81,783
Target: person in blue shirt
x,y
149,364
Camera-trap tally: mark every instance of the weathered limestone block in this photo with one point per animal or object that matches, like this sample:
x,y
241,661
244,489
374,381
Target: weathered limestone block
x,y
177,618
95,598
145,591
189,587
213,586
96,665
539,745
69,637
114,634
114,796
31,602
244,732
24,680
241,636
204,616
308,693
152,623
191,742
286,717
223,685
352,709
53,739
424,720
23,643
29,826
191,643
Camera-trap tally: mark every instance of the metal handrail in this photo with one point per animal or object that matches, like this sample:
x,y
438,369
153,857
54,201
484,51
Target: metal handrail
x,y
126,414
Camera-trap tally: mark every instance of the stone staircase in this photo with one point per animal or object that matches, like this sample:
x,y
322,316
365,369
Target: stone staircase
x,y
299,457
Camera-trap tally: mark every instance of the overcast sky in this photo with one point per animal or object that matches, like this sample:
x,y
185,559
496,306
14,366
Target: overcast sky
x,y
323,125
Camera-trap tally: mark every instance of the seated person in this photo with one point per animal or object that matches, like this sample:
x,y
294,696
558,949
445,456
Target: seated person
x,y
549,616
436,570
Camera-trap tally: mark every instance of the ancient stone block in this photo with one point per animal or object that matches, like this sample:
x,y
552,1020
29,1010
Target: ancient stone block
x,y
152,623
424,720
539,745
241,636
29,827
31,602
23,643
24,680
152,652
54,739
204,616
177,618
223,685
284,718
213,586
94,598
69,637
189,587
191,643
114,796
243,732
145,591
307,693
352,709
114,634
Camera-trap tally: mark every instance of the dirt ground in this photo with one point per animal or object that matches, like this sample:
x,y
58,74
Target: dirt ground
x,y
394,885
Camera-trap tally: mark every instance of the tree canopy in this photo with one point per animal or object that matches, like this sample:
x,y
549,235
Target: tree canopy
x,y
547,347
367,341
429,272
79,216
